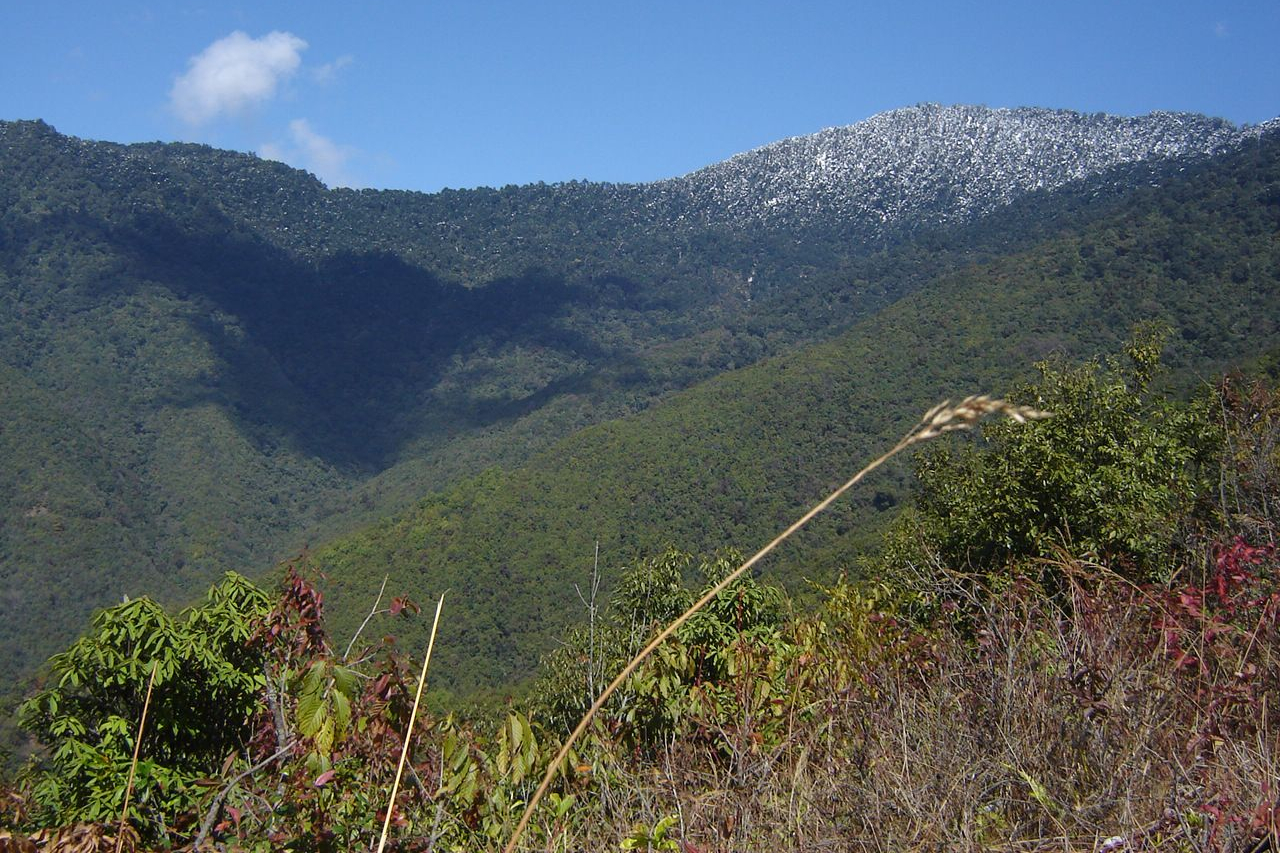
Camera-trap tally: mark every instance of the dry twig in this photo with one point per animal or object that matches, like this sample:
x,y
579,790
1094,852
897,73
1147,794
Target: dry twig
x,y
408,735
137,748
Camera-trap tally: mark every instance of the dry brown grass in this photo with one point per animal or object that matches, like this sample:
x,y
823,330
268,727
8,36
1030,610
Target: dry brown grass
x,y
941,419
1041,726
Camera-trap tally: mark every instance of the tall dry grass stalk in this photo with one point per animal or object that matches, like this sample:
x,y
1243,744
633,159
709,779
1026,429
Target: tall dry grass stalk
x,y
137,749
942,418
408,735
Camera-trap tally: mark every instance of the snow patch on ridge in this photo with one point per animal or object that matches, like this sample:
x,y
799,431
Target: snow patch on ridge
x,y
933,164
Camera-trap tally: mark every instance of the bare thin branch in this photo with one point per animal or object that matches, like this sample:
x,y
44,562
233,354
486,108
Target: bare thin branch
x,y
137,748
408,735
373,611
206,825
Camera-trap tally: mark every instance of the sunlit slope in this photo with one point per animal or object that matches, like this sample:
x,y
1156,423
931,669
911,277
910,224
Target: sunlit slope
x,y
728,462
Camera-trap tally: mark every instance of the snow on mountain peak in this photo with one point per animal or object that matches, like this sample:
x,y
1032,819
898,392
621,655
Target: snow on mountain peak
x,y
932,164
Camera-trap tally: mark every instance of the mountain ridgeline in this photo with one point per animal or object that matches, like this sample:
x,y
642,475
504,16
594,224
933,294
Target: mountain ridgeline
x,y
905,170
208,359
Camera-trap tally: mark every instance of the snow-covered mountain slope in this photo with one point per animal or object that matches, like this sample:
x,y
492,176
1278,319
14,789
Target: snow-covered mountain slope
x,y
932,165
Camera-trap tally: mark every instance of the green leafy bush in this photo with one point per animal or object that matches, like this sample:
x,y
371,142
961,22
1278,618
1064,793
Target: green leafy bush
x,y
208,676
1114,474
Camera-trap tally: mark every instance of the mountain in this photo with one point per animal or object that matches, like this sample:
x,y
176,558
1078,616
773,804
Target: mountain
x,y
207,359
734,459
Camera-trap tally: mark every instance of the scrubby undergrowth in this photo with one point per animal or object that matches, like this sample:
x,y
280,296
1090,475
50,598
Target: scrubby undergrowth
x,y
1067,675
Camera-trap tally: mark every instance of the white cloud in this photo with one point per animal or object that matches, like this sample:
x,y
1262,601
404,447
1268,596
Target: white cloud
x,y
314,152
235,73
1220,30
326,72
273,151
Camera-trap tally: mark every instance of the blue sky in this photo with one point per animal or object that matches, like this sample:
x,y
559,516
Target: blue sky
x,y
426,95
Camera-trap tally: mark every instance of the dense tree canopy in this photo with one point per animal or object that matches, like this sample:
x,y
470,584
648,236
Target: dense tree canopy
x,y
1114,474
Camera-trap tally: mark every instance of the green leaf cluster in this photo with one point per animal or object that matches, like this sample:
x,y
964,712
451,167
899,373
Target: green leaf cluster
x,y
325,691
207,679
1114,475
650,595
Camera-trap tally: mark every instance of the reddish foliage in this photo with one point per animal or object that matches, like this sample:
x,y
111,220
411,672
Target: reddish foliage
x,y
295,626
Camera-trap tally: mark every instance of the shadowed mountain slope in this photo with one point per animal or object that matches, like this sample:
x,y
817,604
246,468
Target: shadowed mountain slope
x,y
731,461
206,355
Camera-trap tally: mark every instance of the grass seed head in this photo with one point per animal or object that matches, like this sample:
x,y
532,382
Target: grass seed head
x,y
945,417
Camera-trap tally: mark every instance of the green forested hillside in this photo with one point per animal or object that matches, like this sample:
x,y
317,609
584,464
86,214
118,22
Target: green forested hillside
x,y
222,360
209,360
65,500
1075,605
207,387
728,462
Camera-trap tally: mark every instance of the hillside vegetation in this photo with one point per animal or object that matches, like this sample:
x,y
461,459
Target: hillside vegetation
x,y
570,409
727,462
1115,694
210,359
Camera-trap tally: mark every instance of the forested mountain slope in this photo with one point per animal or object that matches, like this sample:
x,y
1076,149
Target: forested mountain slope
x,y
729,462
203,354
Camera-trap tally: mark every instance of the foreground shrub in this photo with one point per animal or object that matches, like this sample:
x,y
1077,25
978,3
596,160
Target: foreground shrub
x,y
208,677
1115,473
